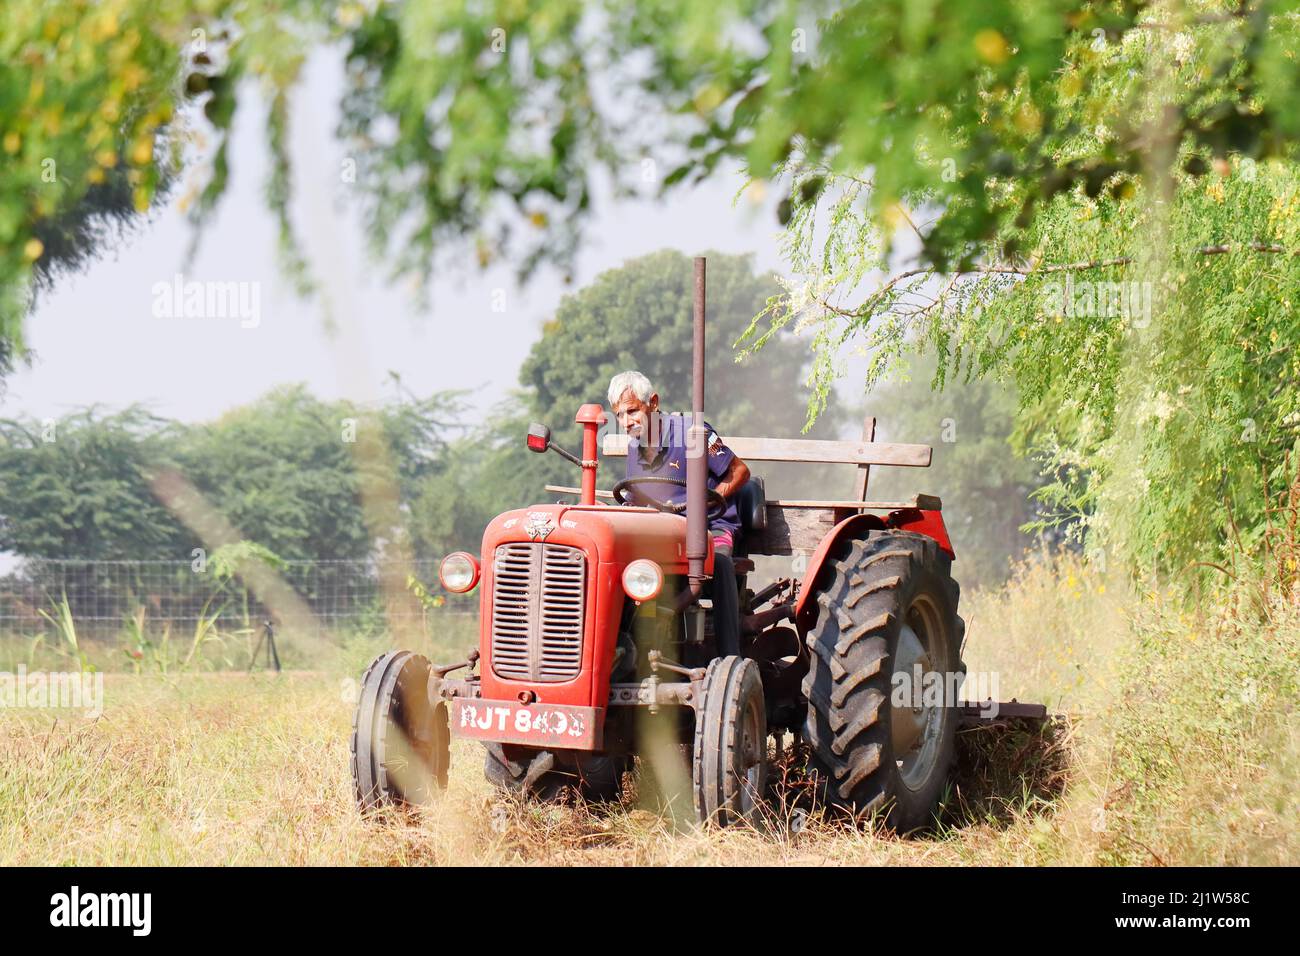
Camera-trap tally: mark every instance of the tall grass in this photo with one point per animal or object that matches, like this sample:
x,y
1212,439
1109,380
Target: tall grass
x,y
60,616
1184,718
1203,737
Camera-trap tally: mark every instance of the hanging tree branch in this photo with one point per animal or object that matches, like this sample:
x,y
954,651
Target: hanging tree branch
x,y
868,307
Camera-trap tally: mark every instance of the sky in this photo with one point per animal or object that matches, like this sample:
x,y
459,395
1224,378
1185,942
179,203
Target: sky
x,y
98,340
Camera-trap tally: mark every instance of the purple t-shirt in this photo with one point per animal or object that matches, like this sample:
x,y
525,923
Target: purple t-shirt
x,y
668,460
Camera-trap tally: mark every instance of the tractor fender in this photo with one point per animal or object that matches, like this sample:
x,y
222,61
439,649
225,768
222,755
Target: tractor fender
x,y
928,523
920,521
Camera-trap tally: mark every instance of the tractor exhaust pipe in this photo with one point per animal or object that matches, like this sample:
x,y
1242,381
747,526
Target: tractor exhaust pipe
x,y
697,528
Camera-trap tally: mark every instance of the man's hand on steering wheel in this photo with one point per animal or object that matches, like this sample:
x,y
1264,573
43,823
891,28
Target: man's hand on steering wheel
x,y
717,503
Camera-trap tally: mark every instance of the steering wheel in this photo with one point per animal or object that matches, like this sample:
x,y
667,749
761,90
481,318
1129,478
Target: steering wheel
x,y
717,503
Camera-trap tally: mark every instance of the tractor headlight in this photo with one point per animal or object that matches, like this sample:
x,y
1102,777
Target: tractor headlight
x,y
458,572
642,580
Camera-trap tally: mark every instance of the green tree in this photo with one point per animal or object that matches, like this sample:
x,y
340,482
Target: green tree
x,y
289,472
280,471
981,134
77,487
86,95
311,479
91,124
639,316
71,238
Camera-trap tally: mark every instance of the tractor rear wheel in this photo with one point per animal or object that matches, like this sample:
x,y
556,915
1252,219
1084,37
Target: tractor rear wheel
x,y
887,614
597,778
729,770
400,747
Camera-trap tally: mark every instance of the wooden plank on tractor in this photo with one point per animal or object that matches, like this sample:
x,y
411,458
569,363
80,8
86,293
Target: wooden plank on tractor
x,y
809,450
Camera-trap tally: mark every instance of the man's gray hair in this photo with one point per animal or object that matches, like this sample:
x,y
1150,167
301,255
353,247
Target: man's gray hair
x,y
634,381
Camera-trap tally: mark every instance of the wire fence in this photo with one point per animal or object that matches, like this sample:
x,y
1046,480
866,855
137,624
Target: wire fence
x,y
103,596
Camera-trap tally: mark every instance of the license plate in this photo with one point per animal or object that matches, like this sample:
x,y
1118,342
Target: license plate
x,y
539,725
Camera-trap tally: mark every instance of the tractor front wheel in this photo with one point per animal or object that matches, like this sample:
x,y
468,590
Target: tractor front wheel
x,y
729,770
400,745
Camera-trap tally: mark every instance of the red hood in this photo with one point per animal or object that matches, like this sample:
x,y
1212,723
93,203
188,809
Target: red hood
x,y
620,535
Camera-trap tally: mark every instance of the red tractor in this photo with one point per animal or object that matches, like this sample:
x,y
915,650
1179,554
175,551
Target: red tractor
x,y
598,644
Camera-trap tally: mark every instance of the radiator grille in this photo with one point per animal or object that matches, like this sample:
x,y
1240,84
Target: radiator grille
x,y
538,591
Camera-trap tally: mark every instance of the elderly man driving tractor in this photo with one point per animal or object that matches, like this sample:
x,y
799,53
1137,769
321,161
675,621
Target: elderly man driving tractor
x,y
658,448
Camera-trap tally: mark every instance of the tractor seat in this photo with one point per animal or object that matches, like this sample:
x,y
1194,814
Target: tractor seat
x,y
751,505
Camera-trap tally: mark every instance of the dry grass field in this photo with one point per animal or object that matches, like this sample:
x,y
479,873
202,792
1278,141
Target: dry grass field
x,y
1179,748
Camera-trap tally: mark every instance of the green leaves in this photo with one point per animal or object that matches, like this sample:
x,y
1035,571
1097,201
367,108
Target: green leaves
x,y
87,100
1153,345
